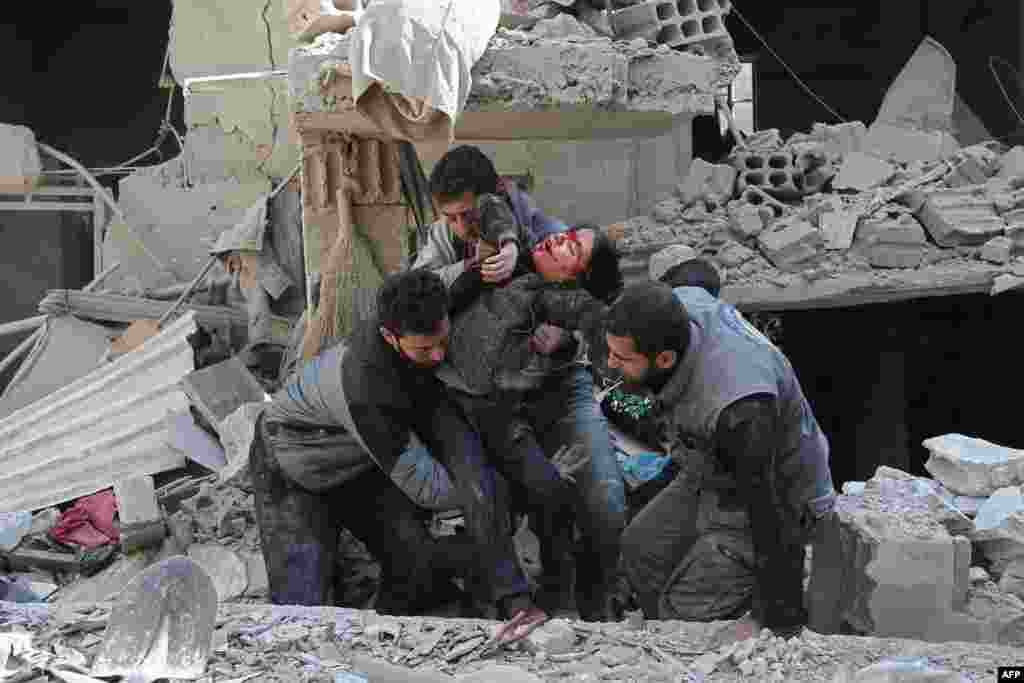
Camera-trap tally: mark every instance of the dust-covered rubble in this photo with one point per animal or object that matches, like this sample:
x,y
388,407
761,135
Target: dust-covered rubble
x,y
273,644
894,224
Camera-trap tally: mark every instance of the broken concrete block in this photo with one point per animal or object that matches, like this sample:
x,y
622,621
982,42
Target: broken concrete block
x,y
815,168
228,571
885,566
219,390
892,242
966,172
669,257
771,208
901,144
1002,614
773,172
999,528
791,246
746,222
958,217
973,467
997,250
840,139
562,26
141,521
706,180
669,23
554,637
1012,163
860,171
237,432
258,583
734,254
20,168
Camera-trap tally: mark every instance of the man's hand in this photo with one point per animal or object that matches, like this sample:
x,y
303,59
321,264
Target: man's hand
x,y
743,629
547,339
499,267
569,460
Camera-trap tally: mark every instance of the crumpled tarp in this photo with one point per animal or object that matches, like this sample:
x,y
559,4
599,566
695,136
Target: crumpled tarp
x,y
89,522
412,60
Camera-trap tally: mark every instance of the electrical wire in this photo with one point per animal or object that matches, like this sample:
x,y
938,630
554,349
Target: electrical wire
x,y
1006,96
800,82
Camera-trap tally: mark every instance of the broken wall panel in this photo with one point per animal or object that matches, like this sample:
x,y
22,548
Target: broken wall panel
x,y
103,427
68,349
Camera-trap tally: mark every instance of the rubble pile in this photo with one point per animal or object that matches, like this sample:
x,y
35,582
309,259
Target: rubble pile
x,y
949,548
814,207
271,644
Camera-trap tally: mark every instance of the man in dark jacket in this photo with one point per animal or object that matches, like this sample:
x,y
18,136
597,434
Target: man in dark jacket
x,y
564,409
729,533
329,441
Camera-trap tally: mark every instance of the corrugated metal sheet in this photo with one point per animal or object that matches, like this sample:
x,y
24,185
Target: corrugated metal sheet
x,y
106,426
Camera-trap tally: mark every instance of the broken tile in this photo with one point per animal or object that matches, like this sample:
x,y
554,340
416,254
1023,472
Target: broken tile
x,y
973,467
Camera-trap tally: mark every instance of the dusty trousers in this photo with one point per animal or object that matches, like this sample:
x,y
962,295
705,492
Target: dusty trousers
x,y
299,532
549,500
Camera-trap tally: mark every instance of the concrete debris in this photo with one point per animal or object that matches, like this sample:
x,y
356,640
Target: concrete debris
x,y
892,242
997,250
860,171
1012,163
219,390
141,521
670,23
555,637
562,26
973,467
237,431
958,217
14,526
746,222
710,182
886,561
1012,580
791,245
193,442
999,528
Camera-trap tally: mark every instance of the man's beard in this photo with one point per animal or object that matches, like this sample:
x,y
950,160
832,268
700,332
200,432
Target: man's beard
x,y
652,380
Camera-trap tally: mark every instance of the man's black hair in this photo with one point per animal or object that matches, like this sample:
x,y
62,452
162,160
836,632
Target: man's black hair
x,y
603,277
412,302
652,316
463,169
696,272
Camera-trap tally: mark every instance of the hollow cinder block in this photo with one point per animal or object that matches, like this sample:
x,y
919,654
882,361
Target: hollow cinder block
x,y
773,172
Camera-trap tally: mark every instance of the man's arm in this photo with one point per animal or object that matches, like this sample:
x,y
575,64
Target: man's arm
x,y
745,435
386,431
438,255
570,308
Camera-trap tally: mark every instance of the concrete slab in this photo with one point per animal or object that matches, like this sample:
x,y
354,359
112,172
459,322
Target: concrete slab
x,y
958,217
973,467
999,528
892,242
791,245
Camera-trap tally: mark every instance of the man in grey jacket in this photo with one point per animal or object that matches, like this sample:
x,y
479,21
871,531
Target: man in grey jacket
x,y
565,409
329,442
728,534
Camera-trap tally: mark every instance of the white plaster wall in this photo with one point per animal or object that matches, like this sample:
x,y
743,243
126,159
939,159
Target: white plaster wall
x,y
595,181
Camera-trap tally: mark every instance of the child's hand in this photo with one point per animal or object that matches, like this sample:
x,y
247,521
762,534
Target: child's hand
x,y
500,266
